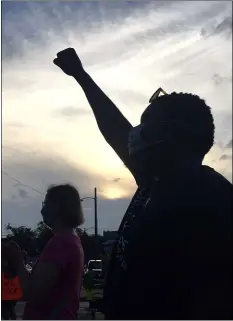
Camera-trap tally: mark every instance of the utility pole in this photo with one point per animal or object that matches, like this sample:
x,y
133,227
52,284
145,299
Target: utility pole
x,y
96,217
95,210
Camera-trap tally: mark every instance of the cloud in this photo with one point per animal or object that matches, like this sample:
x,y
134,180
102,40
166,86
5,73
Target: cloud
x,y
40,171
27,211
71,112
22,193
225,157
223,27
110,213
16,125
218,79
229,145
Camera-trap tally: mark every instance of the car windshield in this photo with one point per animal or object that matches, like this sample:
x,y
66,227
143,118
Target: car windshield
x,y
96,265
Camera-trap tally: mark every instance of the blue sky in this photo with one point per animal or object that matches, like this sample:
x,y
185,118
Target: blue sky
x,y
130,49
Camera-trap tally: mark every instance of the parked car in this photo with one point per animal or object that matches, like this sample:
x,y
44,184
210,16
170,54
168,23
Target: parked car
x,y
95,266
94,270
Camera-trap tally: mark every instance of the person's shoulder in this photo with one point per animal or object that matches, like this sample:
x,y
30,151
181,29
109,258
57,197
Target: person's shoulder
x,y
210,173
72,239
66,239
53,240
216,182
75,248
64,244
51,246
216,194
59,240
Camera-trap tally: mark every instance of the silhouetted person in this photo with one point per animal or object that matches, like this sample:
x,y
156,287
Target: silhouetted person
x,y
178,225
52,289
11,289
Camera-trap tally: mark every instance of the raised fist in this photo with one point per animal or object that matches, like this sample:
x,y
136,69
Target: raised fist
x,y
69,62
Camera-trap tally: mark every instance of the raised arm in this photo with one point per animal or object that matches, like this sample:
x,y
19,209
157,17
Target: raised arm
x,y
112,124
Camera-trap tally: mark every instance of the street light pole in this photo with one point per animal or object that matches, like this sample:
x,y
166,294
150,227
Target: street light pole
x,y
95,210
96,217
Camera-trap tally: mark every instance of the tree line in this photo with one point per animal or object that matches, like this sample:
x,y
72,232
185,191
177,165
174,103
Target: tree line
x,y
33,241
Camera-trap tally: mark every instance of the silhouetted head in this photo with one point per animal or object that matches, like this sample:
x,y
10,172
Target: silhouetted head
x,y
7,264
62,207
175,130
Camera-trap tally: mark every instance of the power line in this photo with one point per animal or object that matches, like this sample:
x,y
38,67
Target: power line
x,y
15,179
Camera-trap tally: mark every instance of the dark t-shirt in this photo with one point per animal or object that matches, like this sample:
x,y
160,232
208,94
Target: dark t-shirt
x,y
173,257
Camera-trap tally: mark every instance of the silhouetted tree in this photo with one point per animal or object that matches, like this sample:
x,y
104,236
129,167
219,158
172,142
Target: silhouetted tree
x,y
23,236
34,241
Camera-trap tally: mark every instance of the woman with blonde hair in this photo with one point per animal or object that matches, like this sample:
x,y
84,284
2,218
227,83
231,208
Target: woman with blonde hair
x,y
52,290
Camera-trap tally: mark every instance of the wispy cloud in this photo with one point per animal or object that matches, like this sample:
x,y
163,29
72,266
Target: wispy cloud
x,y
225,157
71,112
22,193
229,145
221,26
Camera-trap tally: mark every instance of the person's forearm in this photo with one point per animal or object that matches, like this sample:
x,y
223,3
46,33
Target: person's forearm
x,y
24,277
112,124
104,109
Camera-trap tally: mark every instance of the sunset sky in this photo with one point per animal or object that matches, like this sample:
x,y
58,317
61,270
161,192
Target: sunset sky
x,y
130,49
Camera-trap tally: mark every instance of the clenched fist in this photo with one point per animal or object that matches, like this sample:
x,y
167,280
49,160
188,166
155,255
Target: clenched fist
x,y
69,62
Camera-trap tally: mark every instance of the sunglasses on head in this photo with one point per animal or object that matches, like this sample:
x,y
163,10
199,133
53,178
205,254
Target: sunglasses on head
x,y
156,94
